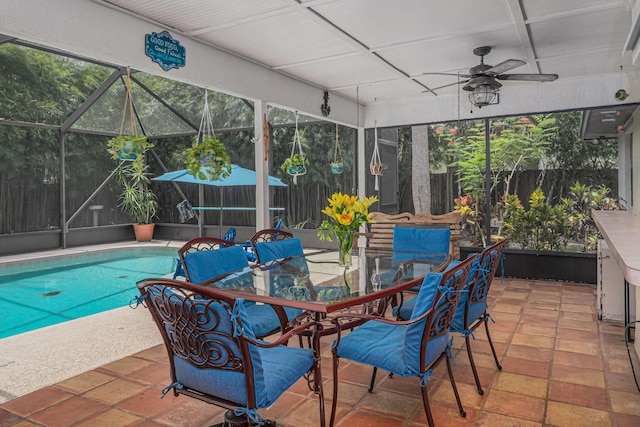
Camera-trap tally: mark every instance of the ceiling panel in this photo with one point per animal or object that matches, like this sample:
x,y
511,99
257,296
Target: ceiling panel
x,y
584,33
379,23
280,40
536,10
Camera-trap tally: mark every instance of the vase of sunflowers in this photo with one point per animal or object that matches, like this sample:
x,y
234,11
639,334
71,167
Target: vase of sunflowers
x,y
346,214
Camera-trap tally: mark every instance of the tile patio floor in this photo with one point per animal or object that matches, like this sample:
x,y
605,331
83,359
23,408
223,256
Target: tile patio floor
x,y
561,367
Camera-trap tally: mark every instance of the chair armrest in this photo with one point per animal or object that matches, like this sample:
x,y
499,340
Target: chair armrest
x,y
282,339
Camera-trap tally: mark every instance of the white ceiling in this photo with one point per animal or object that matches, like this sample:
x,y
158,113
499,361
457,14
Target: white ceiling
x,y
384,47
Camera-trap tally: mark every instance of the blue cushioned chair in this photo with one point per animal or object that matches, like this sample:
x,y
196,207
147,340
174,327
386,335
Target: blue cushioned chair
x,y
207,258
214,353
472,308
267,235
407,348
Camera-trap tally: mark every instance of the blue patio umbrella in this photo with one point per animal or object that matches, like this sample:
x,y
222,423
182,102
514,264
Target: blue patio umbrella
x,y
239,176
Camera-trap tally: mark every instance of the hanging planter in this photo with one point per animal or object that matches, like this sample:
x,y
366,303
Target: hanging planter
x,y
128,147
207,158
376,167
296,164
337,166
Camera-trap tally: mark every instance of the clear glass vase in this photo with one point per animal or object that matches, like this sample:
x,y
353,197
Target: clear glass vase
x,y
345,243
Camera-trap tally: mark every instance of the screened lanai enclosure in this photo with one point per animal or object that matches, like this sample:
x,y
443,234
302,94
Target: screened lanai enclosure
x,y
58,112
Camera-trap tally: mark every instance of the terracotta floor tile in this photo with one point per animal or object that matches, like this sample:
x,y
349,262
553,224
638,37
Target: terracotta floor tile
x,y
624,420
577,360
620,366
577,324
189,412
506,306
68,412
582,347
536,319
8,418
577,308
110,417
526,367
621,382
625,402
84,382
532,329
155,353
578,335
390,403
115,391
562,414
125,366
307,414
445,414
532,310
575,375
515,405
492,419
154,374
521,384
366,419
579,395
580,315
443,392
612,339
530,353
148,403
536,341
36,401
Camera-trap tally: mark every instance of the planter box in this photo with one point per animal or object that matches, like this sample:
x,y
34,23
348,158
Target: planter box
x,y
545,265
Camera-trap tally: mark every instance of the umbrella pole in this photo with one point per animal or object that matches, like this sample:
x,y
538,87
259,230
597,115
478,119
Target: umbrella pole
x,y
221,211
201,205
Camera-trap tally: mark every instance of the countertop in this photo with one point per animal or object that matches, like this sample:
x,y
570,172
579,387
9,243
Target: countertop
x,y
621,231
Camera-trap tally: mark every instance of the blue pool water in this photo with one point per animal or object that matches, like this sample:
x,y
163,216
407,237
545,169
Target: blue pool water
x,y
45,293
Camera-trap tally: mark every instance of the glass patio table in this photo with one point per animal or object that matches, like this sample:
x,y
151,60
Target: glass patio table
x,y
314,282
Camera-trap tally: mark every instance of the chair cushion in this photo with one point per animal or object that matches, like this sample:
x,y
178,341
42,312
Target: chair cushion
x,y
421,239
426,293
205,265
279,249
475,310
264,320
281,367
383,345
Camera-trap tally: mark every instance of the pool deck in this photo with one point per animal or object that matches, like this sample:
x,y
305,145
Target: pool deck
x,y
39,358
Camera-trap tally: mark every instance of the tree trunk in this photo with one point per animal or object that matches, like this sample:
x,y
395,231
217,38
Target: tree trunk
x,y
420,177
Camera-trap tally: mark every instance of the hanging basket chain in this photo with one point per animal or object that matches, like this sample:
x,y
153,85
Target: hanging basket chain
x,y
128,107
336,150
206,123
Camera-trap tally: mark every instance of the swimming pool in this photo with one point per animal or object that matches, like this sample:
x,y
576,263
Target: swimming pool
x,y
45,293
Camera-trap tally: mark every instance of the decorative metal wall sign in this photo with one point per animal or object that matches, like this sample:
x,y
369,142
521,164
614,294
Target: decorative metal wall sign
x,y
165,50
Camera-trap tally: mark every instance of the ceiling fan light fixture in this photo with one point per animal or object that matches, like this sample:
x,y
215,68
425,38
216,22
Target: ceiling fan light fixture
x,y
483,95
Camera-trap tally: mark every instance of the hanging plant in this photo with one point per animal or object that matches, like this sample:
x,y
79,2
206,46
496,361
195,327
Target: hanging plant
x,y
208,159
128,147
337,166
296,164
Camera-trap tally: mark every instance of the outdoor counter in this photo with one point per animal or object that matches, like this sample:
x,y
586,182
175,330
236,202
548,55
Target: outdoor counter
x,y
621,231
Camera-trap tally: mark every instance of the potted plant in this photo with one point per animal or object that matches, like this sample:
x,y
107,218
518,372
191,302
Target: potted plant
x,y
128,147
136,200
208,159
295,165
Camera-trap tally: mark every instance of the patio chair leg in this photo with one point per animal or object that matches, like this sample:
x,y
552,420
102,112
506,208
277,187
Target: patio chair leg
x,y
473,365
493,350
373,379
455,389
427,407
334,400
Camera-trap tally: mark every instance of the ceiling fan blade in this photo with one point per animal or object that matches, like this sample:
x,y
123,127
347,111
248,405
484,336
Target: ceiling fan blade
x,y
528,77
464,76
450,84
502,67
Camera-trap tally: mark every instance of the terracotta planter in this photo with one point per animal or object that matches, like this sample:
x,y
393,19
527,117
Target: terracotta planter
x,y
144,232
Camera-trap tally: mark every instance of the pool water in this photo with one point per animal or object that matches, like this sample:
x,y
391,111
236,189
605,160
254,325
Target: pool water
x,y
46,293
